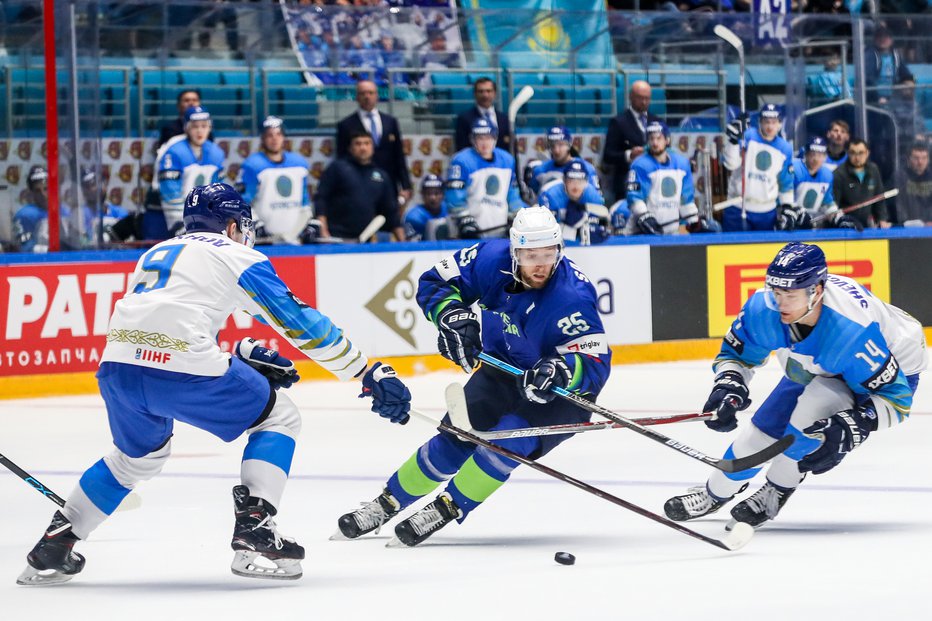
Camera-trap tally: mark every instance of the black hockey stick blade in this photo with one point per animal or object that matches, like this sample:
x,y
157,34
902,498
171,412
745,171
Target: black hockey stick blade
x,y
758,458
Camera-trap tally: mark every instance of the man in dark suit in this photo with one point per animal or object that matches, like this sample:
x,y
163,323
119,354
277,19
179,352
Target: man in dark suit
x,y
484,92
389,155
626,138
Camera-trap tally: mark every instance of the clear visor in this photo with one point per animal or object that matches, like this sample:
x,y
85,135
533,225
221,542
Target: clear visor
x,y
548,255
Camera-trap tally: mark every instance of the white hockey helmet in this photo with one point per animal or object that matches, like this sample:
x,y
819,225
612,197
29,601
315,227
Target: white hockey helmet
x,y
534,227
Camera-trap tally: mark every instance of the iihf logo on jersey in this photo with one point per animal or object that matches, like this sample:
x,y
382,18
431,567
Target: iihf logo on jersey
x,y
161,357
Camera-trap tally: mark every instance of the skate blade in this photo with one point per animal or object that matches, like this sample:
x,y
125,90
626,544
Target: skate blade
x,y
738,536
395,542
245,565
339,536
48,577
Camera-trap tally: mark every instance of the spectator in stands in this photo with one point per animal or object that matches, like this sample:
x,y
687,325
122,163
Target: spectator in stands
x,y
826,86
427,221
392,56
385,131
437,56
224,13
353,190
858,180
98,214
186,99
914,202
274,181
837,137
484,91
884,67
909,121
625,139
31,221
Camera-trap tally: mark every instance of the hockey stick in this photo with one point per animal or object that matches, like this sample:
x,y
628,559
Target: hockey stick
x,y
371,228
734,41
132,501
725,465
739,536
523,96
850,208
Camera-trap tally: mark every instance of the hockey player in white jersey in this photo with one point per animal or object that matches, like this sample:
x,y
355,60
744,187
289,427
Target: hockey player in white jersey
x,y
274,181
562,152
660,187
851,364
812,182
481,188
182,163
766,182
162,364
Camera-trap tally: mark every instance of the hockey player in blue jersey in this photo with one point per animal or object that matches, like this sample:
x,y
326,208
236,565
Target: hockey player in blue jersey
x,y
98,213
762,176
182,163
619,215
562,152
31,221
539,313
162,364
481,188
660,187
851,364
812,181
577,205
428,219
274,181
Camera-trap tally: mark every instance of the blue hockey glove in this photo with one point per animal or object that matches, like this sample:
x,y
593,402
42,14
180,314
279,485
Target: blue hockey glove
x,y
729,396
276,368
648,225
844,221
391,399
536,383
787,217
841,433
467,228
459,340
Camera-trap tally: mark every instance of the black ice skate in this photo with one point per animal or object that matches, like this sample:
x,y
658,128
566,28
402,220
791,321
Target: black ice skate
x,y
255,537
52,560
426,522
762,505
368,518
697,503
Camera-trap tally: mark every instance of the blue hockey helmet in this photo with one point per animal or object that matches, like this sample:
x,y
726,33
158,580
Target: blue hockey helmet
x,y
209,208
196,113
771,111
817,144
559,133
797,266
431,182
482,127
657,127
576,170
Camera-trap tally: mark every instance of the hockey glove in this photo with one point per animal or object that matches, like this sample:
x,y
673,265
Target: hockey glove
x,y
391,399
648,225
844,221
729,396
459,340
735,130
841,433
276,368
467,228
803,219
786,218
547,373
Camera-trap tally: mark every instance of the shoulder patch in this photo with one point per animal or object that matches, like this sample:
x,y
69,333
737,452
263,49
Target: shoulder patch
x,y
886,375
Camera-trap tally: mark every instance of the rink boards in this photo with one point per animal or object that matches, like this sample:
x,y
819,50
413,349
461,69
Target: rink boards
x,y
665,301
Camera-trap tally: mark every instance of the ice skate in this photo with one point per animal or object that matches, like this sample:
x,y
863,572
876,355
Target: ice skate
x,y
762,505
368,518
260,551
697,503
52,560
426,522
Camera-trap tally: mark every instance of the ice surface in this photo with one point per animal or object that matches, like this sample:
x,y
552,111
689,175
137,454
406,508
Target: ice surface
x,y
851,544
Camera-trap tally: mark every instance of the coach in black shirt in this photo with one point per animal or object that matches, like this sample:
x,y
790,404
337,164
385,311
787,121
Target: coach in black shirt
x,y
353,191
858,180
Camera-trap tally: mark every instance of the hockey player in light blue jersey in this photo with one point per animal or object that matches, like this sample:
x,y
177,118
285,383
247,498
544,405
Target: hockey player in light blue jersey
x,y
275,181
162,364
812,180
851,366
481,188
577,205
539,312
428,219
660,187
182,163
98,213
765,183
562,152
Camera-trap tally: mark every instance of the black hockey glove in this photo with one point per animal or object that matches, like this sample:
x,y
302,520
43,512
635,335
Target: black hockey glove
x,y
803,220
459,340
648,225
467,228
391,399
549,372
786,218
276,368
841,433
735,130
844,221
729,396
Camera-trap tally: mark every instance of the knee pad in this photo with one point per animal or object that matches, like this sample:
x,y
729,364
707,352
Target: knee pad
x,y
284,418
131,470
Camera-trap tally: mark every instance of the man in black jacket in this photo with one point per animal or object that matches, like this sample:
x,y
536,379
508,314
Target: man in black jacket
x,y
389,153
858,180
353,190
484,92
625,139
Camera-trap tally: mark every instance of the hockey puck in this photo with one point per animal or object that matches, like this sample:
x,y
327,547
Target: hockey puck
x,y
564,558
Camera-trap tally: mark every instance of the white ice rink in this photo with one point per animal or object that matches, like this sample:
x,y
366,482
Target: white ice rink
x,y
852,544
